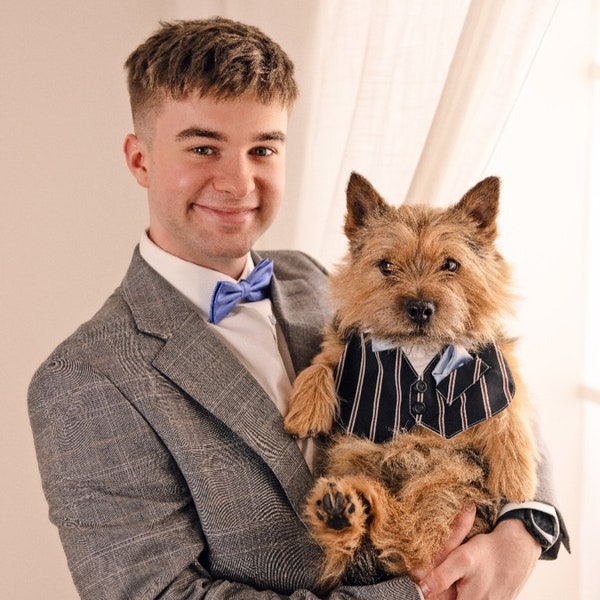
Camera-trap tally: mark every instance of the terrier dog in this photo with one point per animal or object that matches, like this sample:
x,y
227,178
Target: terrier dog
x,y
418,384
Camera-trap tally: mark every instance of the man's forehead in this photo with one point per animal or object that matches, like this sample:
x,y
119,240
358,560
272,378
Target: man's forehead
x,y
195,116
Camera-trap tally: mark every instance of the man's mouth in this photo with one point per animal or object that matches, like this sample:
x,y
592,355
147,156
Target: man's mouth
x,y
226,214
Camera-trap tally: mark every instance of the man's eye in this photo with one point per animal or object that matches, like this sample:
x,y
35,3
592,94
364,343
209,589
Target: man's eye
x,y
203,150
262,151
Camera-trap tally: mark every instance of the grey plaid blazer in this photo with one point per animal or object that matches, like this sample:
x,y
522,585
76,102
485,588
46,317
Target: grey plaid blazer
x,y
165,465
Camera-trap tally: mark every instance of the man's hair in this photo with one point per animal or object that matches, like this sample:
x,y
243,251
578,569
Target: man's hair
x,y
216,57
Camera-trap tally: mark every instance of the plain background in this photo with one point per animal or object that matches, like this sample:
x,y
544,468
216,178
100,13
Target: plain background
x,y
72,215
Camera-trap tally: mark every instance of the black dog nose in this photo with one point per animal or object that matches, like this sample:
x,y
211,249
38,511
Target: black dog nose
x,y
420,311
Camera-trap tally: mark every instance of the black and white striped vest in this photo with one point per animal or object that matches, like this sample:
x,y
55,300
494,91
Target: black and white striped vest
x,y
381,394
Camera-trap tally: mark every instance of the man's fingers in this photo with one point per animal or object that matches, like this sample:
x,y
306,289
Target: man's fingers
x,y
460,530
444,576
449,569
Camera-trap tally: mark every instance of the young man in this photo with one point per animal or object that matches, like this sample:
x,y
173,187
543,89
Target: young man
x,y
158,423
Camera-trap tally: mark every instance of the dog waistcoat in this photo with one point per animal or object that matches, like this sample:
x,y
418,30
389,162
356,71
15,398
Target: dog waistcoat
x,y
380,393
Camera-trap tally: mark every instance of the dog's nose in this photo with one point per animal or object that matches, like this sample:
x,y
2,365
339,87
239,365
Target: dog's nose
x,y
420,311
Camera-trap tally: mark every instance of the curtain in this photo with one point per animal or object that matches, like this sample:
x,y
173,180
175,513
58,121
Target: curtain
x,y
496,48
411,94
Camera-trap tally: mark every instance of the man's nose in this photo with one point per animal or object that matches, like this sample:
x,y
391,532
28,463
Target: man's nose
x,y
235,177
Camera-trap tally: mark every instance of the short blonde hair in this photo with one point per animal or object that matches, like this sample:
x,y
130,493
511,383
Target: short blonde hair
x,y
215,57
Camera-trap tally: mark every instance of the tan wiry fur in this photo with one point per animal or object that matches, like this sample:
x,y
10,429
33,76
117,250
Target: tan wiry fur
x,y
386,509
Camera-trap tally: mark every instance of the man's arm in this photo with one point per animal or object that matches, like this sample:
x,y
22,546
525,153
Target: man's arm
x,y
122,508
125,514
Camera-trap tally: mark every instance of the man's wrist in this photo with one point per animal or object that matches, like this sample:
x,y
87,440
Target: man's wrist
x,y
540,521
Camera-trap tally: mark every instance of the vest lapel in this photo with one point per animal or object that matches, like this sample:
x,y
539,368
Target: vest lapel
x,y
461,379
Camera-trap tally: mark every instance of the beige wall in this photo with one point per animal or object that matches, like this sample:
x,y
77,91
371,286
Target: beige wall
x,y
72,214
71,218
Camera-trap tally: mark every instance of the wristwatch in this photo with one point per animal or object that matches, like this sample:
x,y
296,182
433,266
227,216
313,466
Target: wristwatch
x,y
543,527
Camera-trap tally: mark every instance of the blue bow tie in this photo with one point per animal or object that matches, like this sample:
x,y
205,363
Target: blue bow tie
x,y
227,294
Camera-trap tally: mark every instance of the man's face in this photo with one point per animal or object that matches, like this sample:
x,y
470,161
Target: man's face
x,y
214,171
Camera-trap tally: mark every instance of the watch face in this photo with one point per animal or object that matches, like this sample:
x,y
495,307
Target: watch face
x,y
543,527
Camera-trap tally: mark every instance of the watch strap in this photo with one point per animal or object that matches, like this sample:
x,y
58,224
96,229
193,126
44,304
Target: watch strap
x,y
542,525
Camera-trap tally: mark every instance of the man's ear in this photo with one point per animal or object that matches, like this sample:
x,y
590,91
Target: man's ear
x,y
136,156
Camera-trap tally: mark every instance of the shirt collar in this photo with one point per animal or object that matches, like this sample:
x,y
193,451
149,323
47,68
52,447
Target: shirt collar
x,y
196,283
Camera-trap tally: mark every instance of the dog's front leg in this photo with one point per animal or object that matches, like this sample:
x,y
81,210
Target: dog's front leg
x,y
508,444
511,455
313,402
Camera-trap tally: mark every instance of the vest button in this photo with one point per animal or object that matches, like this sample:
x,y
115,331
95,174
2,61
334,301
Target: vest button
x,y
419,407
421,386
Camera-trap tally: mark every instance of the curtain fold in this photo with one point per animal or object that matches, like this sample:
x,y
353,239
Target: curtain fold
x,y
413,95
495,51
378,74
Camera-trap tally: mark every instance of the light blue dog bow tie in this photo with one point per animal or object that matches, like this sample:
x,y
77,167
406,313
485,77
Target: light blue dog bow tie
x,y
227,295
452,358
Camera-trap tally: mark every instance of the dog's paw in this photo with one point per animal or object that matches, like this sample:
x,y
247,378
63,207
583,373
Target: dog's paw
x,y
302,424
312,404
339,507
335,509
518,487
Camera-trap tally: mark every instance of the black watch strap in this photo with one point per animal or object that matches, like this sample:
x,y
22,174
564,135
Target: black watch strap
x,y
543,527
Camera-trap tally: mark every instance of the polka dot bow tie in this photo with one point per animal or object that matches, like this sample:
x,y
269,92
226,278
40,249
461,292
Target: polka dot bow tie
x,y
227,295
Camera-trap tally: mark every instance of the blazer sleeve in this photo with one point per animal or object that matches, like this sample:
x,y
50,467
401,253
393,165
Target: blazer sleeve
x,y
122,509
545,493
124,512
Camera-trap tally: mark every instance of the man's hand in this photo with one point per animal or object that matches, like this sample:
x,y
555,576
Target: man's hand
x,y
461,527
490,566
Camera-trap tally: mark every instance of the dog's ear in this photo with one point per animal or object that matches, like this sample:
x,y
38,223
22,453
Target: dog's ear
x,y
480,204
362,202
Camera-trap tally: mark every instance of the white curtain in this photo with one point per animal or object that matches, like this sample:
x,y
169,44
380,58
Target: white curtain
x,y
413,94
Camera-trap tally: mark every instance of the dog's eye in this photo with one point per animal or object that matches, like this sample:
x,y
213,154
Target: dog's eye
x,y
450,265
386,267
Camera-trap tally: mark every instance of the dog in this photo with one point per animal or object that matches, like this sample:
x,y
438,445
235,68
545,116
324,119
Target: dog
x,y
416,385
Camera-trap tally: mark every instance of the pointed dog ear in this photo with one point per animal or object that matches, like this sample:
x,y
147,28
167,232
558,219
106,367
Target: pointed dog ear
x,y
362,203
480,204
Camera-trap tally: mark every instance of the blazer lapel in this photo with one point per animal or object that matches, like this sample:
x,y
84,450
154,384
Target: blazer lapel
x,y
225,387
301,307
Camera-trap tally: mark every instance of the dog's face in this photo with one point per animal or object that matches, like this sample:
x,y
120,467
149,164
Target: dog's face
x,y
417,275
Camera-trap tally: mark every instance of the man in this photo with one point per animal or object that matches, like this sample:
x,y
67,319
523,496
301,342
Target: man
x,y
158,424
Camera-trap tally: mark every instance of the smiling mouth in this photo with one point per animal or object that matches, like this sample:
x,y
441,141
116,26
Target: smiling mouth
x,y
227,214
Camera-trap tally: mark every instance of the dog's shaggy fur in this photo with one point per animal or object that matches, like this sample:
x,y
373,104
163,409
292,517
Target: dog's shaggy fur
x,y
419,278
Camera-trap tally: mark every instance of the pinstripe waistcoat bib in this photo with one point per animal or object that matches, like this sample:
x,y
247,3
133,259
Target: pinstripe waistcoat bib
x,y
380,393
